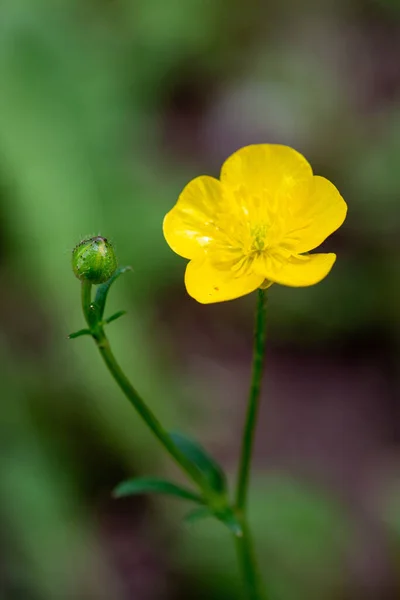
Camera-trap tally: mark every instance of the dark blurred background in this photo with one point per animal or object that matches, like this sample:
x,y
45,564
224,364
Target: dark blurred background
x,y
107,109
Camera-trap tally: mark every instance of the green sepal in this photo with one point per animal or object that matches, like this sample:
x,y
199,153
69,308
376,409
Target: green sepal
x,y
103,289
207,465
115,316
94,260
79,333
153,485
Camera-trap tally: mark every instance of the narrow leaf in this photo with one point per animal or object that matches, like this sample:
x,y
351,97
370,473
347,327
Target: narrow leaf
x,y
104,288
115,316
79,333
226,516
152,485
203,461
198,514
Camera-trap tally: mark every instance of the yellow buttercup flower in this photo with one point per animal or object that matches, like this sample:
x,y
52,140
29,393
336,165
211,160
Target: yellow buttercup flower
x,y
254,226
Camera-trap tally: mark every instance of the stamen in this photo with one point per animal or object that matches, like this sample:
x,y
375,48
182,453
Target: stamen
x,y
259,235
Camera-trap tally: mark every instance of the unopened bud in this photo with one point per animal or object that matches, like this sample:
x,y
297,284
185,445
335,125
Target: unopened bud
x,y
94,260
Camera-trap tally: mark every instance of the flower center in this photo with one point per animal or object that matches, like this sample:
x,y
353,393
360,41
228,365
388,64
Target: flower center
x,y
259,237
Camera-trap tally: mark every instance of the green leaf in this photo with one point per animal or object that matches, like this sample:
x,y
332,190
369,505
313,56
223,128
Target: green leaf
x,y
115,316
203,512
79,333
104,288
203,461
152,485
226,516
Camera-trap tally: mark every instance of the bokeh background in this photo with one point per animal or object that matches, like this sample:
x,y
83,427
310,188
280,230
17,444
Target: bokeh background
x,y
107,109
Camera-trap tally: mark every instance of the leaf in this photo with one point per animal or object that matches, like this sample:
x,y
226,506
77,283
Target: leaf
x,y
152,485
79,333
226,516
115,316
203,461
104,288
203,512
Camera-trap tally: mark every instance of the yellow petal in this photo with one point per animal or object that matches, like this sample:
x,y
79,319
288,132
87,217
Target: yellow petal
x,y
317,210
265,170
298,271
191,224
206,284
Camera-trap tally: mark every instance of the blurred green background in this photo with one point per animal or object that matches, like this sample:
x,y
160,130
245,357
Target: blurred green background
x,y
107,109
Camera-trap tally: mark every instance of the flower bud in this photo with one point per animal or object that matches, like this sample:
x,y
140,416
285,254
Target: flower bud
x,y
94,260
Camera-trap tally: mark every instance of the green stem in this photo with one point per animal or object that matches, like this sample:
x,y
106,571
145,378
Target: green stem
x,y
247,562
86,297
244,544
99,336
253,404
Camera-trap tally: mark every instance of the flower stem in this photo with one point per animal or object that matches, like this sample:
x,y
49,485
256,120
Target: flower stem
x,y
99,336
253,404
244,544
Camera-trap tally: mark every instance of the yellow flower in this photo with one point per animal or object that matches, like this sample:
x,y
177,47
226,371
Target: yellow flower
x,y
253,226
